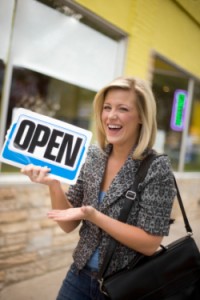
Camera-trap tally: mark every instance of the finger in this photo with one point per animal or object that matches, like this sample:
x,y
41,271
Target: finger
x,y
40,176
39,172
42,173
57,212
57,215
27,170
34,172
52,212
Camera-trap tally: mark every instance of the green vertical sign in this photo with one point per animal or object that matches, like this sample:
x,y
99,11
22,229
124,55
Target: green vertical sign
x,y
179,110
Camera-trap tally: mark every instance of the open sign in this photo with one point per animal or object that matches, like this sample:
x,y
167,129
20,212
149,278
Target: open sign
x,y
44,141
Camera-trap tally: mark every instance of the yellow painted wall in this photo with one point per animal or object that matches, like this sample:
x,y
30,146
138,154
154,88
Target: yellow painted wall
x,y
141,38
178,36
118,12
160,25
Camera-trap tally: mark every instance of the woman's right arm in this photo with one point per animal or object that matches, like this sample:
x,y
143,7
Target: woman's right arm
x,y
59,199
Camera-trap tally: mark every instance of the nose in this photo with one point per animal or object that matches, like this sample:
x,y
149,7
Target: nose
x,y
112,114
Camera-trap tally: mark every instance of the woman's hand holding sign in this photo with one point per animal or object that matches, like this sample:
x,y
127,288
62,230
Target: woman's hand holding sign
x,y
38,174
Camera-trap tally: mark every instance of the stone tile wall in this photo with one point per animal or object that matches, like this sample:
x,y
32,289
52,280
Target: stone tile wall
x,y
30,244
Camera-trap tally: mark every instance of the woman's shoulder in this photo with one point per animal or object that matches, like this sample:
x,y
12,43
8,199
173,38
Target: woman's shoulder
x,y
157,156
160,166
162,160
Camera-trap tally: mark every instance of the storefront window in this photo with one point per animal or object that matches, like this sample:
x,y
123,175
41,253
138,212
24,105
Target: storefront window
x,y
49,96
168,81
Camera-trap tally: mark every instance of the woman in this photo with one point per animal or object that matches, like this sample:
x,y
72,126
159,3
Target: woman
x,y
125,113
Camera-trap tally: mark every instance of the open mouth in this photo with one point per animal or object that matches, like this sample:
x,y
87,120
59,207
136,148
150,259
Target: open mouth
x,y
114,127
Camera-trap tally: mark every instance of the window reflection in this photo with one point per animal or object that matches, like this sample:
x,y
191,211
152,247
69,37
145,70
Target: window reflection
x,y
51,97
164,87
166,80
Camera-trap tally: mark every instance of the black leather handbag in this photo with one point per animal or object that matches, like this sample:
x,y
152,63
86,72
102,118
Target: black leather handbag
x,y
172,273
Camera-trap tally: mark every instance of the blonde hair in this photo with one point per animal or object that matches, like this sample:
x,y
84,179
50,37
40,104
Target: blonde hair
x,y
146,106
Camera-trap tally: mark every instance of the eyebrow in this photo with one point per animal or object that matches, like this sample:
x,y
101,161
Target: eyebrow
x,y
120,104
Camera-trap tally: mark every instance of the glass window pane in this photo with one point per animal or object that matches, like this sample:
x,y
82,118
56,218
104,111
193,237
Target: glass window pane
x,y
166,81
49,96
192,160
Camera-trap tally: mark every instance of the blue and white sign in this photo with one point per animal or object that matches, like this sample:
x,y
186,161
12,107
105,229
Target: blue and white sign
x,y
44,141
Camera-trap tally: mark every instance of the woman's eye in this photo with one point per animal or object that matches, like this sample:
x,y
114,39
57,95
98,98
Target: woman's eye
x,y
123,109
106,107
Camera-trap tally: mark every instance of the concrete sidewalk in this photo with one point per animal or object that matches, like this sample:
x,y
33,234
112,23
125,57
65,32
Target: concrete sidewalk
x,y
46,287
39,288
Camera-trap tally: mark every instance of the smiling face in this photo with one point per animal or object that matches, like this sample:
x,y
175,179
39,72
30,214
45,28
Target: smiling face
x,y
120,118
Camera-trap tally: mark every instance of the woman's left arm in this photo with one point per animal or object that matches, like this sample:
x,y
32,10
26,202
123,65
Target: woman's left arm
x,y
129,235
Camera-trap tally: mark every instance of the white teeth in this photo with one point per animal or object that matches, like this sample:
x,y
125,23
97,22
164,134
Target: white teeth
x,y
114,126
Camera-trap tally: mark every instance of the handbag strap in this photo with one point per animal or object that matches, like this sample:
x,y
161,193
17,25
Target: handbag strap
x,y
130,197
185,219
131,194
